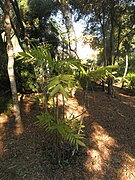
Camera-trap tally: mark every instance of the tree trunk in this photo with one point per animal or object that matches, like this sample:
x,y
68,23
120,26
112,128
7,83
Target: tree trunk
x,y
69,26
104,51
104,27
17,35
110,86
111,47
18,16
125,72
10,54
19,29
118,45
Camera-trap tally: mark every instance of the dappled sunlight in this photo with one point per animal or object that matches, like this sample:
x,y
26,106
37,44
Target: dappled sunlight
x,y
27,107
94,163
3,120
127,100
129,103
124,95
127,170
100,155
18,129
101,137
27,101
72,108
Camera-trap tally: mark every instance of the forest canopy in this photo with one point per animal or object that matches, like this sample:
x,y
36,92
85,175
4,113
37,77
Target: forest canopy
x,y
108,29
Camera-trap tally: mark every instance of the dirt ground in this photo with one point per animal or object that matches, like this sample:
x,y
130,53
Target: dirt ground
x,y
109,136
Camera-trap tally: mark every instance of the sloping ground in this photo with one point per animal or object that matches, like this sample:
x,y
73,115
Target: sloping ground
x,y
110,142
110,131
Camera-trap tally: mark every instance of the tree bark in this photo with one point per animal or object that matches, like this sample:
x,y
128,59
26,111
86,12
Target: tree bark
x,y
111,47
125,72
118,44
69,26
18,16
110,86
104,27
19,29
10,67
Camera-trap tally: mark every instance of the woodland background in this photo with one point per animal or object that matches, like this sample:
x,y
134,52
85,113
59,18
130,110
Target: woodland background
x,y
63,116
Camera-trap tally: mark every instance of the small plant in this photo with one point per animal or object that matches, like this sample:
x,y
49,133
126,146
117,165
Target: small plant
x,y
103,73
98,76
66,129
130,80
56,77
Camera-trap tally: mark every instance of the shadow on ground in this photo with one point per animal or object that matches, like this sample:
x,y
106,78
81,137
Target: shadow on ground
x,y
110,141
110,135
29,155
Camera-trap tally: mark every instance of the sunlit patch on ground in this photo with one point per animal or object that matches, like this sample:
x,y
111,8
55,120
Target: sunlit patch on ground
x,y
127,170
128,100
27,106
3,119
109,142
18,129
129,103
100,155
72,108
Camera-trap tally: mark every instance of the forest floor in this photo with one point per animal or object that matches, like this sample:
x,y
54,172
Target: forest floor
x,y
109,136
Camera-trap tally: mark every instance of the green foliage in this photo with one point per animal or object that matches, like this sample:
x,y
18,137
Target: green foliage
x,y
55,77
65,129
95,78
35,53
57,73
40,59
38,8
58,83
130,80
25,77
102,73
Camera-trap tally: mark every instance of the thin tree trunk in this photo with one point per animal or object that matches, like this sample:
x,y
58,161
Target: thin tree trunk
x,y
110,79
118,45
11,67
58,140
17,35
18,16
104,51
69,26
110,86
104,27
125,72
19,29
